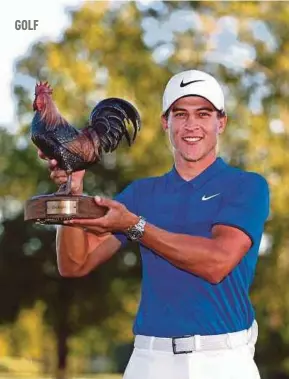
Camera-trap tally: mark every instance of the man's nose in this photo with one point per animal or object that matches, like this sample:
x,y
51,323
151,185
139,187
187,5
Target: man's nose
x,y
192,125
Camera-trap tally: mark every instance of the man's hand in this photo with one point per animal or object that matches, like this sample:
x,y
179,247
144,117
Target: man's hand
x,y
117,219
60,176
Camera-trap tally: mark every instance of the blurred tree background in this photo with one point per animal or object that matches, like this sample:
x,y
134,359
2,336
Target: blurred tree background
x,y
129,49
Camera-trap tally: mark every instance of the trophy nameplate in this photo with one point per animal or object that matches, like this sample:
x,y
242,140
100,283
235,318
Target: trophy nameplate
x,y
54,209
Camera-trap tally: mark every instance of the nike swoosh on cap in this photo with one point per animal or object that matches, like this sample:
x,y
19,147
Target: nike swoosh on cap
x,y
191,82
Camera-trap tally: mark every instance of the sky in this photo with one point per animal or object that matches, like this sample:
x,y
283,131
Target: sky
x,y
52,20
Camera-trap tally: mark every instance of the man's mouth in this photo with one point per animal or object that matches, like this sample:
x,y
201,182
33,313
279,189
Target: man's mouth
x,y
192,139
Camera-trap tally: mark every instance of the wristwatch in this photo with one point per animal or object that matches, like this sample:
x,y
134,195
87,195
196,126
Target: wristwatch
x,y
135,232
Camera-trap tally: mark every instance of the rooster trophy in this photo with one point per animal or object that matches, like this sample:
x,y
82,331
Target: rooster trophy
x,y
75,149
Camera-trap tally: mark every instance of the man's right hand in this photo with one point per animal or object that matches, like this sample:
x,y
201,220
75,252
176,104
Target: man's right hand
x,y
60,176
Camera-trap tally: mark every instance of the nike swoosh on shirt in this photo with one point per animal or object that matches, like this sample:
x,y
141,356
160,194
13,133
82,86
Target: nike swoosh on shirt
x,y
191,82
204,198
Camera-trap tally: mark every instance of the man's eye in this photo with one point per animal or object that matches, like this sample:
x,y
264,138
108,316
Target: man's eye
x,y
180,114
204,114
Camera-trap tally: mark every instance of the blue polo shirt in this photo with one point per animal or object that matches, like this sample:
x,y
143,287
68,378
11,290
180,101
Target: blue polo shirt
x,y
175,302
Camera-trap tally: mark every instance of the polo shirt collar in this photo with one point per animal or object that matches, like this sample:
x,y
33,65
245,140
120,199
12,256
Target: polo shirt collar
x,y
175,181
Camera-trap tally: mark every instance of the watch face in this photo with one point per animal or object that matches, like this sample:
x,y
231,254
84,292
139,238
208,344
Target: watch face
x,y
135,234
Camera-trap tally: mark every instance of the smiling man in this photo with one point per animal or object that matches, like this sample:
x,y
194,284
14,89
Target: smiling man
x,y
199,228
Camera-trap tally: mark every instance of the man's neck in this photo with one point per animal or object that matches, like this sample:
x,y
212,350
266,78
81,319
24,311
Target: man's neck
x,y
189,170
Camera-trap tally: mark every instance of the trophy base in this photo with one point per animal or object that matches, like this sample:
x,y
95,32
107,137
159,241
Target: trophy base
x,y
54,209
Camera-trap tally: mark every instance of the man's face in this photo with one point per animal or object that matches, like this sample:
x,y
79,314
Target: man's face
x,y
193,125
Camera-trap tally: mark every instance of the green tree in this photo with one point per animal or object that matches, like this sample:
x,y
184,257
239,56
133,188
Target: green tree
x,y
116,55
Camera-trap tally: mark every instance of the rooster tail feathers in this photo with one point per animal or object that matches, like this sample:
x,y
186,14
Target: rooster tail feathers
x,y
111,118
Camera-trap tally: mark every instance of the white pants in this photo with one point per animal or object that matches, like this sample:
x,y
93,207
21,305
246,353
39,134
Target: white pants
x,y
227,363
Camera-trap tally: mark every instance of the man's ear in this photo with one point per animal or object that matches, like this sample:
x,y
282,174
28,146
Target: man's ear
x,y
222,124
164,121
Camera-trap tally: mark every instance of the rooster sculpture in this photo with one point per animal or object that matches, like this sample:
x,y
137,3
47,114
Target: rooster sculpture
x,y
76,149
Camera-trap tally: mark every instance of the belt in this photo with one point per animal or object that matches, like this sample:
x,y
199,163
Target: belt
x,y
189,344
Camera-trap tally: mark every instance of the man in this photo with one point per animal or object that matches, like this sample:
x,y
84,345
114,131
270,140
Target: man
x,y
199,227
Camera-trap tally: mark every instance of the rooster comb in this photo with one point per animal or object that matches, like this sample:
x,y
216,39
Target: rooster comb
x,y
43,87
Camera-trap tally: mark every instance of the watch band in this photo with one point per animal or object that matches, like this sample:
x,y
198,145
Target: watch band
x,y
135,232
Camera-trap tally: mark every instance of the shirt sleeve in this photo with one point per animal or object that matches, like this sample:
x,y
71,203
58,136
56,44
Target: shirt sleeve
x,y
248,206
127,198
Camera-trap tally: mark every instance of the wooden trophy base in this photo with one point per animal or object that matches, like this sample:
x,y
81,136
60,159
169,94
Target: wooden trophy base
x,y
54,209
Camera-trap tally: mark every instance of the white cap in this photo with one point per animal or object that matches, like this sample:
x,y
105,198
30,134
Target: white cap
x,y
194,83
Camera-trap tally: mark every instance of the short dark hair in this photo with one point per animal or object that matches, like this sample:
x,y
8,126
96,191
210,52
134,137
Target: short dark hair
x,y
221,113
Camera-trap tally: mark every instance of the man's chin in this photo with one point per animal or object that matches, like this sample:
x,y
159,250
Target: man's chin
x,y
198,157
192,159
